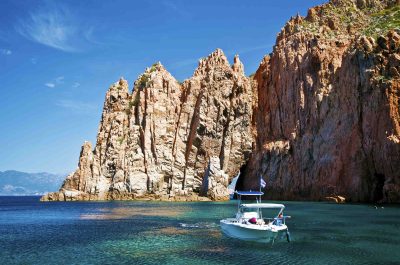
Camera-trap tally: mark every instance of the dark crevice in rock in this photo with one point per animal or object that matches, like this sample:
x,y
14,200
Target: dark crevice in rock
x,y
153,142
225,133
192,131
377,188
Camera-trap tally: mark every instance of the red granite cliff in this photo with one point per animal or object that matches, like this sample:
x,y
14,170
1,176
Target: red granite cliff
x,y
328,114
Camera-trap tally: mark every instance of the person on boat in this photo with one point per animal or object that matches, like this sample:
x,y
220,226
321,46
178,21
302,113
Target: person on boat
x,y
279,219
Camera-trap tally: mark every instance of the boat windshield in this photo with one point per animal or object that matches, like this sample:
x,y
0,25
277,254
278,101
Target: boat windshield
x,y
246,210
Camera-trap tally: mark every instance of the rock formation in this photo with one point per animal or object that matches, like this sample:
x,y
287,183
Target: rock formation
x,y
323,108
158,141
215,181
328,117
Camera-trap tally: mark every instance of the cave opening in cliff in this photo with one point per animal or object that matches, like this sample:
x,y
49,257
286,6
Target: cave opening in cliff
x,y
241,178
378,187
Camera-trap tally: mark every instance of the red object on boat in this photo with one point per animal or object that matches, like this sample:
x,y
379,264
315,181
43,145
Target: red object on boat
x,y
253,220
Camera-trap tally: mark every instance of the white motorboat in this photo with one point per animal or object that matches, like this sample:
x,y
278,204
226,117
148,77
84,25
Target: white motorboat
x,y
249,223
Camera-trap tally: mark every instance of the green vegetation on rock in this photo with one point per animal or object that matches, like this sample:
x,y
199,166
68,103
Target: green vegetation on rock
x,y
345,17
136,100
143,81
121,139
383,21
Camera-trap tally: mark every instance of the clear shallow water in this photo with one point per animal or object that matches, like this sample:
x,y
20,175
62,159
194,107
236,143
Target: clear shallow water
x,y
32,232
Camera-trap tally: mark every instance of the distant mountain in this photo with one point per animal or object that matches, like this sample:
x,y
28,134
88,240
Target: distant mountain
x,y
21,183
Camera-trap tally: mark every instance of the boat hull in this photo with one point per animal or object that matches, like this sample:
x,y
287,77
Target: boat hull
x,y
250,232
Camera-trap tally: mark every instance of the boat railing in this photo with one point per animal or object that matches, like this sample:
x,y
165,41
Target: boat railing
x,y
268,220
277,220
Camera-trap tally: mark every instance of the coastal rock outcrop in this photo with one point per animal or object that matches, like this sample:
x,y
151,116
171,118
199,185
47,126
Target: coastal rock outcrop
x,y
328,111
319,119
158,140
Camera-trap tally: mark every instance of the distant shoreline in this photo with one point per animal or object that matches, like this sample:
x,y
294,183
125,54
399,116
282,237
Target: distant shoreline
x,y
152,201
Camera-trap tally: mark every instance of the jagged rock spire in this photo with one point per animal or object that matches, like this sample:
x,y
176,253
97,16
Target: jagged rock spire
x,y
237,66
215,59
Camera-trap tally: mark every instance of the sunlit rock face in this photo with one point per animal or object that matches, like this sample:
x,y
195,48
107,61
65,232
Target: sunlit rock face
x,y
328,118
215,181
157,141
319,119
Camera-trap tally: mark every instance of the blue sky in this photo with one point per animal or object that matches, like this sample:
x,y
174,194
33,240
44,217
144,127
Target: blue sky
x,y
57,59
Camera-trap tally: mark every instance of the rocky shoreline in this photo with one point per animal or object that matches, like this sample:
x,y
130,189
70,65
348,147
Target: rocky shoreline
x,y
64,195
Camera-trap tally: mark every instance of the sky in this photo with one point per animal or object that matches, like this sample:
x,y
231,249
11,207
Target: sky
x,y
58,58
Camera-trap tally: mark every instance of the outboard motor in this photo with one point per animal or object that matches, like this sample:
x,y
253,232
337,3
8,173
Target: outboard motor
x,y
288,238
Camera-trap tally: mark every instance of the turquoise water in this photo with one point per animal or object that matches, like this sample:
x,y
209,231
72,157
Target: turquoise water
x,y
32,232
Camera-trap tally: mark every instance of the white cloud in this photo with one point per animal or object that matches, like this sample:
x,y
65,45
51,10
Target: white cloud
x,y
8,188
76,106
33,60
54,27
76,85
55,82
59,80
5,51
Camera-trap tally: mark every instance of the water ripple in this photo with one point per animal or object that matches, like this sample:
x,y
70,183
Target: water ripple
x,y
188,233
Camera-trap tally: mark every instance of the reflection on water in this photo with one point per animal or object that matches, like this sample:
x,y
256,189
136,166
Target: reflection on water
x,y
188,233
131,212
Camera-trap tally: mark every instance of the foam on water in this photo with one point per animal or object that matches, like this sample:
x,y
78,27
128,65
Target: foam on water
x,y
199,225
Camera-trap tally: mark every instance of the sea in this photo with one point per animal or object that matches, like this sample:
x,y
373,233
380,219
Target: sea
x,y
148,232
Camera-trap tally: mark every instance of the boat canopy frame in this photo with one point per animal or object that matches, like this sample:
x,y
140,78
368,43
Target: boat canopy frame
x,y
249,193
257,194
258,205
263,205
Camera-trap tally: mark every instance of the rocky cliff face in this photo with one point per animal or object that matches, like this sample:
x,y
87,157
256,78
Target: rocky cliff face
x,y
167,140
328,114
323,108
